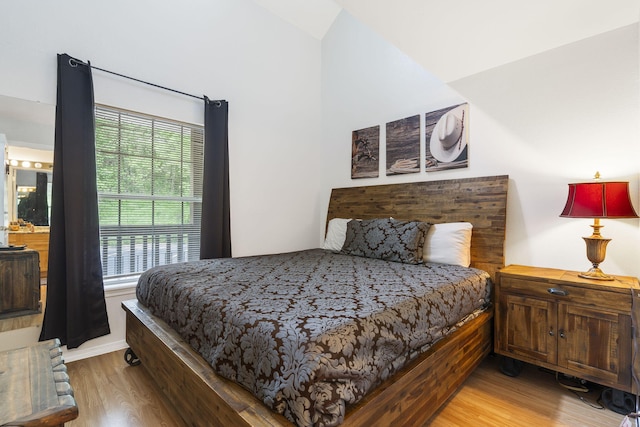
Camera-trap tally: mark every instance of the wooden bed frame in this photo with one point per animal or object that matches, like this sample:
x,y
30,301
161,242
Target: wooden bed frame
x,y
412,395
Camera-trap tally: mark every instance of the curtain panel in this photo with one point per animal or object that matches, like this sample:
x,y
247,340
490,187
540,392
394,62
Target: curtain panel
x,y
215,229
76,308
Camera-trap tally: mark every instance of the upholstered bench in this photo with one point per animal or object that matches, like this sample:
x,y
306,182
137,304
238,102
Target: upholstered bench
x,y
34,387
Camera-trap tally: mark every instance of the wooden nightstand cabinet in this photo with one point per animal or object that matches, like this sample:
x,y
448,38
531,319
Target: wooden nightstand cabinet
x,y
557,320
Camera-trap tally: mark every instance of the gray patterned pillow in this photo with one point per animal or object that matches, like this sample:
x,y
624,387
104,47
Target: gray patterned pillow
x,y
387,239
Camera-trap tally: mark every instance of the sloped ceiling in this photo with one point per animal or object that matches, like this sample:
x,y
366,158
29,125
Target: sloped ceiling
x,y
453,39
313,16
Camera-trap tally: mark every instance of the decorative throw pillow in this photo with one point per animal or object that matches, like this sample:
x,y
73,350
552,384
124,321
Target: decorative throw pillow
x,y
336,233
449,243
387,239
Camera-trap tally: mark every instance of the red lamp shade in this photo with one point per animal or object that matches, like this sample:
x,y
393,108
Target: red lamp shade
x,y
599,200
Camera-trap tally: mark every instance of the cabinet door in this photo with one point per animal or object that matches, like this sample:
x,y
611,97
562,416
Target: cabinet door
x,y
19,283
528,328
596,344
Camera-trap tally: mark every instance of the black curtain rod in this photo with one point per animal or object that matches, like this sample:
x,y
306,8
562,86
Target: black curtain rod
x,y
74,63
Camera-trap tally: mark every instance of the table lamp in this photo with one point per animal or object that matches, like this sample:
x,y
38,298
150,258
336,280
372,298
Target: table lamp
x,y
598,200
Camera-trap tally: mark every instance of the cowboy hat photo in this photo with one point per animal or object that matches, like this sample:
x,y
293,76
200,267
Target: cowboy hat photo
x,y
449,136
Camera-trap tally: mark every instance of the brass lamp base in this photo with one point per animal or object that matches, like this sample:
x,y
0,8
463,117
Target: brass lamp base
x,y
595,273
596,251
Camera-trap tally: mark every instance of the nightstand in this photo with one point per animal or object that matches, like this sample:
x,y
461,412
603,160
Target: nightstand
x,y
555,319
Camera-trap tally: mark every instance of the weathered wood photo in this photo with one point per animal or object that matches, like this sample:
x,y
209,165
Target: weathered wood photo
x,y
365,148
403,146
447,138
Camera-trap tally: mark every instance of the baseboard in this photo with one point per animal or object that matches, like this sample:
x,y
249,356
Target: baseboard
x,y
96,350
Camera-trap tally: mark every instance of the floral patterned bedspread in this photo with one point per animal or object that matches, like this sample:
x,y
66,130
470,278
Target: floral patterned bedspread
x,y
310,332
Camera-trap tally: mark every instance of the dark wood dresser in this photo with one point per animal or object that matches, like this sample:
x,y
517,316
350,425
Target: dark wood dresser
x,y
19,283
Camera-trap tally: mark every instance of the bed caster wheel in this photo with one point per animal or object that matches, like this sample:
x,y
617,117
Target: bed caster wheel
x,y
131,358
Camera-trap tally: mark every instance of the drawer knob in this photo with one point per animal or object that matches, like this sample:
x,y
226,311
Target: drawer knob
x,y
551,333
557,291
562,334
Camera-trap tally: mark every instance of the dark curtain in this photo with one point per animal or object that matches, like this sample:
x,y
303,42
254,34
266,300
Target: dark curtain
x,y
76,310
215,229
41,213
34,207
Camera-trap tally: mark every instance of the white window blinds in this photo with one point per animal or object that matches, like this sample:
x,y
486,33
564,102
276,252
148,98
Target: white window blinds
x,y
149,176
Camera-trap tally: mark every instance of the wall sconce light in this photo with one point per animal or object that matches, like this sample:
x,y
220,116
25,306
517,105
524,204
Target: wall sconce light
x,y
28,164
598,200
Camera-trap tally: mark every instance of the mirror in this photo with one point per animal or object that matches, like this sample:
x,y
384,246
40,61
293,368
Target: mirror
x,y
30,192
27,130
27,133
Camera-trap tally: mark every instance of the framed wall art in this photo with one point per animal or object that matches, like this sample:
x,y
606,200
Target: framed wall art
x,y
403,146
365,147
447,138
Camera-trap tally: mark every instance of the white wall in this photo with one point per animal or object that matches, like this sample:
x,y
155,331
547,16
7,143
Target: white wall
x,y
555,118
227,49
547,120
268,70
3,197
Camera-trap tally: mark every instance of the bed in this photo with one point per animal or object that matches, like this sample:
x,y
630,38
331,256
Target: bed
x,y
410,395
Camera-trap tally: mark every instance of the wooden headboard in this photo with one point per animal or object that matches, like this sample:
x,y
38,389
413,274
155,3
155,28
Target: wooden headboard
x,y
480,201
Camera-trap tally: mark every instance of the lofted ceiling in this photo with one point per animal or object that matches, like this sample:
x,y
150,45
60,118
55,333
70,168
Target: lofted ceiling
x,y
453,39
312,16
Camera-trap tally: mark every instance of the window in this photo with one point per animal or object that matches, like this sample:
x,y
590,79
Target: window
x,y
149,176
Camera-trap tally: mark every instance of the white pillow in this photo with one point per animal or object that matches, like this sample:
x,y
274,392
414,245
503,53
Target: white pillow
x,y
336,234
448,243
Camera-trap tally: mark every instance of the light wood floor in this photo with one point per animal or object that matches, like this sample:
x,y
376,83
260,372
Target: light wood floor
x,y
112,394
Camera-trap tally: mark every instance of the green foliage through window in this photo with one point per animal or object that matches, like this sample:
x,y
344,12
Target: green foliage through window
x,y
149,176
